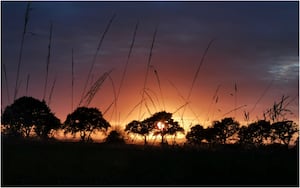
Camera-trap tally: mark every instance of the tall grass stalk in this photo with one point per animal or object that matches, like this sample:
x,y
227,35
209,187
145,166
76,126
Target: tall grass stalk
x,y
107,109
147,107
178,92
147,70
127,61
51,91
196,73
214,100
180,108
261,96
153,94
278,110
6,82
288,103
95,56
214,108
134,107
94,88
151,100
247,117
235,98
26,19
92,80
72,84
185,102
235,109
115,99
48,61
159,85
27,84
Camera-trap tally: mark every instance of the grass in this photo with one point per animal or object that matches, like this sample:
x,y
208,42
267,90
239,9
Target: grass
x,y
95,57
196,75
72,84
26,19
48,61
127,62
51,91
6,82
147,70
34,163
27,84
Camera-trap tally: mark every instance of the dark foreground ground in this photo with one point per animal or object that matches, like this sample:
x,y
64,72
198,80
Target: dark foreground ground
x,y
33,163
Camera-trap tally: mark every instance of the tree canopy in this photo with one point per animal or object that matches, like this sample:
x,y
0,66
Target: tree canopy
x,y
196,135
219,133
139,128
224,130
160,123
163,124
28,115
85,121
256,133
283,131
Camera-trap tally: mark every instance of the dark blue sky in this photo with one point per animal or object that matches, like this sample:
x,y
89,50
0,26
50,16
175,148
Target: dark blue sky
x,y
256,42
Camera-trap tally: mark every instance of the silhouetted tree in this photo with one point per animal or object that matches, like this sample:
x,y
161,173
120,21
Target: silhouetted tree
x,y
163,124
255,134
172,128
245,136
85,121
115,137
139,128
224,129
27,115
283,131
45,124
210,135
196,135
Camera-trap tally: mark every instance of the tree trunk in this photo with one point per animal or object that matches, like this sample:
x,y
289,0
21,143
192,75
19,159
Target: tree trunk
x,y
27,132
82,136
224,140
89,136
286,142
162,138
145,140
174,139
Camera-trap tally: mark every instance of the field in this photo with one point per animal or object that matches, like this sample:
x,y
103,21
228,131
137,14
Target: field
x,y
35,163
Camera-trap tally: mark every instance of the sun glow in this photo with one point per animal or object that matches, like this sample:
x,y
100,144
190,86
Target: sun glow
x,y
160,125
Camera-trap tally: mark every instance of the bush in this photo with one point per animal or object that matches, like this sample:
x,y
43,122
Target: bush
x,y
115,137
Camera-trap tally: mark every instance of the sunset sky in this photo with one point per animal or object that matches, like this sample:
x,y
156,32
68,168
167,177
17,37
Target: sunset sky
x,y
255,48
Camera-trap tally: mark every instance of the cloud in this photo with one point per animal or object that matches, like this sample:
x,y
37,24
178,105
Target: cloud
x,y
285,69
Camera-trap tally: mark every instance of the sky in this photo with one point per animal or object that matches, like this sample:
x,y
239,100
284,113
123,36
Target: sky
x,y
253,60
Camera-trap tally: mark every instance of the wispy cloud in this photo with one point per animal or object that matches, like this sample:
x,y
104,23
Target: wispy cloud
x,y
285,69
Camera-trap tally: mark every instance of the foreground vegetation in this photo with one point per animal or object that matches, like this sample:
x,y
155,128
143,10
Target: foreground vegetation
x,y
39,163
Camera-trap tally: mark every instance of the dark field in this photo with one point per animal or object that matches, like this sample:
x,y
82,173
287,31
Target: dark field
x,y
35,163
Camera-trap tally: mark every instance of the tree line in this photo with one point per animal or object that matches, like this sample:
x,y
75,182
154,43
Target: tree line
x,y
28,117
256,134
